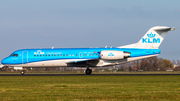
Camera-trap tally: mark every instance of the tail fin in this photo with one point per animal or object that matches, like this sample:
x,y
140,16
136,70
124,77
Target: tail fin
x,y
152,39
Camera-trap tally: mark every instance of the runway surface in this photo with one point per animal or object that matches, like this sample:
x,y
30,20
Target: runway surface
x,y
88,75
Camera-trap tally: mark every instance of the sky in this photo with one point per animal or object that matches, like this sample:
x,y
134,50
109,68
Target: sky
x,y
26,24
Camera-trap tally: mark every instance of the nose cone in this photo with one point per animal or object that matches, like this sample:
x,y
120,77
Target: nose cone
x,y
5,61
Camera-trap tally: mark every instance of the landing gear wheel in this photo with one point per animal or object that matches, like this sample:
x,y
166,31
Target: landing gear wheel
x,y
88,71
22,72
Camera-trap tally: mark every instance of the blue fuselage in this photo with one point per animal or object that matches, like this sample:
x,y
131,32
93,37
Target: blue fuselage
x,y
25,56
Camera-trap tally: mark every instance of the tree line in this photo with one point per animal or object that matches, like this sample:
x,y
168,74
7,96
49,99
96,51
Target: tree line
x,y
150,64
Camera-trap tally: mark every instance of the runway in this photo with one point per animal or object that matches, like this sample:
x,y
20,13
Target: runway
x,y
88,75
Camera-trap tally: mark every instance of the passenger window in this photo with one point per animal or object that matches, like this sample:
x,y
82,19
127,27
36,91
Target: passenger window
x,y
66,54
34,55
49,55
72,54
69,54
76,54
46,55
52,55
60,54
63,54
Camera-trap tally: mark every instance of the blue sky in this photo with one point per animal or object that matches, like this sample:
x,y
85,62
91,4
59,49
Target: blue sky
x,y
86,23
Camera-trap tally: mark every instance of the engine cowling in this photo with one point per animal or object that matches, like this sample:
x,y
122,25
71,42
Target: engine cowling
x,y
114,55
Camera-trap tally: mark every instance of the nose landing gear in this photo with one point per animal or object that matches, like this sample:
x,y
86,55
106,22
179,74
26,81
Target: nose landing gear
x,y
22,72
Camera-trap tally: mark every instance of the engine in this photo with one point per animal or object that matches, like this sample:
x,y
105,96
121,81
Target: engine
x,y
114,55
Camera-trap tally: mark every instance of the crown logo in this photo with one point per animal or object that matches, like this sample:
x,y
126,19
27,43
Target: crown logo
x,y
110,54
151,35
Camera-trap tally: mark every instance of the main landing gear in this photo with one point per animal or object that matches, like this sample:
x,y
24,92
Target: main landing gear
x,y
88,71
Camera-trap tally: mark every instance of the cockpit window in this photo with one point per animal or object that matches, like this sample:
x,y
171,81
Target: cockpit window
x,y
14,55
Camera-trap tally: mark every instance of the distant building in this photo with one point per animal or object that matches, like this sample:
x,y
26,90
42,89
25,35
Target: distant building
x,y
175,66
169,69
134,69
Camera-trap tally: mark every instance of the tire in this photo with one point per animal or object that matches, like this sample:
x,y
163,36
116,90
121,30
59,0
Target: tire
x,y
88,71
22,72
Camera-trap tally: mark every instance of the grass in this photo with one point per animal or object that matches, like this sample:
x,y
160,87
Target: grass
x,y
93,88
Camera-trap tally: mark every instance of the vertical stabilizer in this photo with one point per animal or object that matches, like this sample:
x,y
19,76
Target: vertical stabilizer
x,y
153,38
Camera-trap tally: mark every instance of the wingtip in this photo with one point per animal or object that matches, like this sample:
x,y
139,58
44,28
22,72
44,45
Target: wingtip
x,y
173,28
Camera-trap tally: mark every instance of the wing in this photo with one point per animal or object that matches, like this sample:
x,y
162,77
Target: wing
x,y
83,62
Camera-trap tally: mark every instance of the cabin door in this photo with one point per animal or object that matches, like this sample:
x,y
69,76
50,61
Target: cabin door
x,y
24,57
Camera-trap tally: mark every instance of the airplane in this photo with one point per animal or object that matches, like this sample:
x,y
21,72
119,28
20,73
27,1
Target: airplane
x,y
89,57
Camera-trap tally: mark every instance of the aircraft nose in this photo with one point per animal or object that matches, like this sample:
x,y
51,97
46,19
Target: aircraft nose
x,y
5,61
